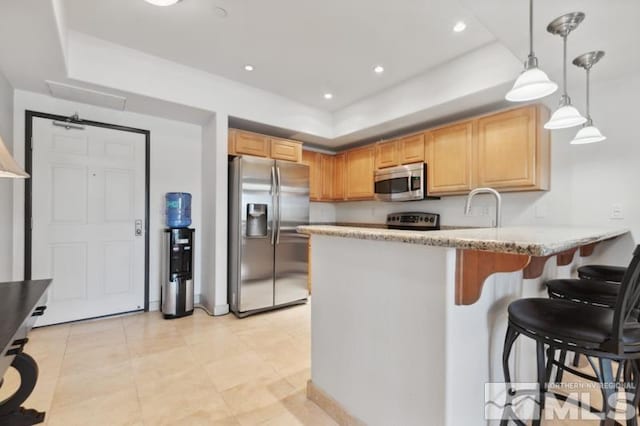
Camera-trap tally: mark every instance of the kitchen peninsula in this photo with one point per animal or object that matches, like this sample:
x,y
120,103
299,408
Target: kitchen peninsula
x,y
408,326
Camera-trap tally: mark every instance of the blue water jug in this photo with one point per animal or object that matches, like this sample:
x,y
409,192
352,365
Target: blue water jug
x,y
178,209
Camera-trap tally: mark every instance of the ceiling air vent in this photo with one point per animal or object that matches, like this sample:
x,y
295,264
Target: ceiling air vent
x,y
86,96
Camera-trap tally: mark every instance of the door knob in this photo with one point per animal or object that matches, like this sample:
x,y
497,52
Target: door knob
x,y
138,228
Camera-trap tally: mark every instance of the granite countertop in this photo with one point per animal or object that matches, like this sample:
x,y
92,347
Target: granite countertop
x,y
533,241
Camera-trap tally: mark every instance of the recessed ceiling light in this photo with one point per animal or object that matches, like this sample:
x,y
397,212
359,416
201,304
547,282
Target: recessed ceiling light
x,y
328,95
248,67
163,2
378,69
459,27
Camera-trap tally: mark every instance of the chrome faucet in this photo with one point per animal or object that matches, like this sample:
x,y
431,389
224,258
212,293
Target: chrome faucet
x,y
496,194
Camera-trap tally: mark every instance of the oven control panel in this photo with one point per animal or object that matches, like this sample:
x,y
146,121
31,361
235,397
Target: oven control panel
x,y
414,220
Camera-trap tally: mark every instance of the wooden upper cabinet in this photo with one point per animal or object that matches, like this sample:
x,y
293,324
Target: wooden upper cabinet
x,y
387,154
449,153
326,166
339,176
360,166
411,149
282,149
312,159
248,143
321,171
513,149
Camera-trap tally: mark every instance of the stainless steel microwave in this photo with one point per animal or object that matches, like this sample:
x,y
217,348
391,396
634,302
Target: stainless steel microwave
x,y
402,183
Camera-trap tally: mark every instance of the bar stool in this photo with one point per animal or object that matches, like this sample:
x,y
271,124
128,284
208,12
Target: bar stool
x,y
598,285
602,273
594,331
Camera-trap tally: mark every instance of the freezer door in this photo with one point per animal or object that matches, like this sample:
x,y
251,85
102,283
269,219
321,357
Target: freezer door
x,y
291,261
256,213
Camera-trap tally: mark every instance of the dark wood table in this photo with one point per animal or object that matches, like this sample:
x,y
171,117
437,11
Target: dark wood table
x,y
21,302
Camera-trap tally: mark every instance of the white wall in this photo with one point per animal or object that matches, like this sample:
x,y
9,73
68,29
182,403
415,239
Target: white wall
x,y
6,185
586,180
214,214
110,65
175,166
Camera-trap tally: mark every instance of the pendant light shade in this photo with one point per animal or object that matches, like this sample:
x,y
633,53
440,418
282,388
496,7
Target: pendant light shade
x,y
589,133
8,166
532,83
566,115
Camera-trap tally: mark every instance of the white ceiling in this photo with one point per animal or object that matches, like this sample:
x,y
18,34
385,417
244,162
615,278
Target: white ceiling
x,y
610,25
300,49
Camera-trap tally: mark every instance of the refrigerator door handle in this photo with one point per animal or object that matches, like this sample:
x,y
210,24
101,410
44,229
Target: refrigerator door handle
x,y
279,215
274,197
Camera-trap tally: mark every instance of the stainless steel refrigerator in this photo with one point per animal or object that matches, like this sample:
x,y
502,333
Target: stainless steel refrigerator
x,y
268,259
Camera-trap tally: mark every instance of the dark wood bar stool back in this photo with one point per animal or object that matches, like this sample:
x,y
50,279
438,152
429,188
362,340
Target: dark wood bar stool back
x,y
594,331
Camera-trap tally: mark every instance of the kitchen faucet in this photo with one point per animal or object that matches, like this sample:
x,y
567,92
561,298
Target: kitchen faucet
x,y
496,194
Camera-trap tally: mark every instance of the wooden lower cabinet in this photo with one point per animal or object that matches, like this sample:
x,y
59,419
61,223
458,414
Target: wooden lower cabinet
x,y
360,167
514,150
449,153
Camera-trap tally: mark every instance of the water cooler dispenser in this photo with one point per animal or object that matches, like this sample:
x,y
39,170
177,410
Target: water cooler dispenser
x,y
176,293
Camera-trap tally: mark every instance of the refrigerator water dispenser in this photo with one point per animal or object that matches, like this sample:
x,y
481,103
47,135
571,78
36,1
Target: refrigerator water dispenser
x,y
256,220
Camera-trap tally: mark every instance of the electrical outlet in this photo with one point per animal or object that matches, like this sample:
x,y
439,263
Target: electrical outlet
x,y
616,211
484,211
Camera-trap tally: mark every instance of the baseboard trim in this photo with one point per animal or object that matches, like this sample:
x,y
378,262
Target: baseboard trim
x,y
332,407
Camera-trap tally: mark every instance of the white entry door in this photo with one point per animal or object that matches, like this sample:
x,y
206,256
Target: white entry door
x,y
88,193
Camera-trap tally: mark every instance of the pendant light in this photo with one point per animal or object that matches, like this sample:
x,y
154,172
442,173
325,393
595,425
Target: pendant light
x,y
532,83
8,166
566,115
588,133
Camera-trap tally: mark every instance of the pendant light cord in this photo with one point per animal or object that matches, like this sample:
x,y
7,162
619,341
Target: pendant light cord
x,y
531,28
588,96
564,66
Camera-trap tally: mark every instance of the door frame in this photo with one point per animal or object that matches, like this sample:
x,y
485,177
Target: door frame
x,y
28,190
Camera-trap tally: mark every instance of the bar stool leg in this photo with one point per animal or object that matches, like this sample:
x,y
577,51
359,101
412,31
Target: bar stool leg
x,y
542,377
632,385
561,361
576,359
509,339
608,390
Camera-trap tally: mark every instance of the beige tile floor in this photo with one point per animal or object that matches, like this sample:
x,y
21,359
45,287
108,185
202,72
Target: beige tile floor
x,y
144,370
199,370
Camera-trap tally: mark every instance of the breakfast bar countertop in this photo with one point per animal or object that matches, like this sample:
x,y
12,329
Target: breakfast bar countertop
x,y
532,241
